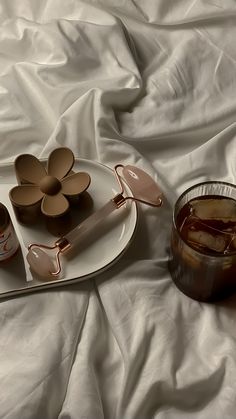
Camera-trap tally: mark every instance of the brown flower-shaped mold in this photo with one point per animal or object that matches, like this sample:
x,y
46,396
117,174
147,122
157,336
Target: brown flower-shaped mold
x,y
47,192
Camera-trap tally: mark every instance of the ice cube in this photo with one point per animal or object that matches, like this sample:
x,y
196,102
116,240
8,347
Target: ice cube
x,y
233,243
211,242
215,209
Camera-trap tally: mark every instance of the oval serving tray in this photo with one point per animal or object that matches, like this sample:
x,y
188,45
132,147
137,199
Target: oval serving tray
x,y
102,248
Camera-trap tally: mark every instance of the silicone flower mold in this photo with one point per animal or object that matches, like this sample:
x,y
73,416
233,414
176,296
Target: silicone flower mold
x,y
50,189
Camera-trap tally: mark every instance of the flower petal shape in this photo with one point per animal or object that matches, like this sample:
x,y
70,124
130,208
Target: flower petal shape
x,y
29,169
54,205
60,162
75,184
25,195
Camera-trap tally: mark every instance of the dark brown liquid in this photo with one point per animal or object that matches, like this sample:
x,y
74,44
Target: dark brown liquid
x,y
207,225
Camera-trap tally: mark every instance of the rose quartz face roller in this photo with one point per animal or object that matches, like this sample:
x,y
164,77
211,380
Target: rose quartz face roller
x,y
45,260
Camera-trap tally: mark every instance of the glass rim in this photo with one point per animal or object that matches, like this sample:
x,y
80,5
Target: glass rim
x,y
174,214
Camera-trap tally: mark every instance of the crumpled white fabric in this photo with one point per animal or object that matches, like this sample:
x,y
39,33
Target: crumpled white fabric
x,y
146,83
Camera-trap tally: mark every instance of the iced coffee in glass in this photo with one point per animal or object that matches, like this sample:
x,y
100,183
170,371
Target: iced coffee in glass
x,y
203,241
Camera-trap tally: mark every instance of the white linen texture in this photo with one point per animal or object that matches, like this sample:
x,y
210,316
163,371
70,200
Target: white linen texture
x,y
150,83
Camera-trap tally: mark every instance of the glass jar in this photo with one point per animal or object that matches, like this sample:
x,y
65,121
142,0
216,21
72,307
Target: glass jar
x,y
9,243
201,276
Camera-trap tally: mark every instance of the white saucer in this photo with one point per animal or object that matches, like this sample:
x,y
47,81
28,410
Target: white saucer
x,y
101,248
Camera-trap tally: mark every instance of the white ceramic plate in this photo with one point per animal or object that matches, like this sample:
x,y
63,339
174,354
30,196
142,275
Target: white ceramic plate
x,y
102,247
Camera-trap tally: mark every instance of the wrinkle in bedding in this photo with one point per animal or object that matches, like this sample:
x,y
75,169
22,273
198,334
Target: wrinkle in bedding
x,y
132,82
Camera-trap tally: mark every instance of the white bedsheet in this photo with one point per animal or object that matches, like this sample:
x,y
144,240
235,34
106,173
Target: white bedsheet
x,y
150,83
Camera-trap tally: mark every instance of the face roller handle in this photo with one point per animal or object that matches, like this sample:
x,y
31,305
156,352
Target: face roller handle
x,y
45,260
77,234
